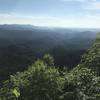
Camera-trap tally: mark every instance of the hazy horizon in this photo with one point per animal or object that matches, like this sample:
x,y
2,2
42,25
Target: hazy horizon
x,y
51,13
50,27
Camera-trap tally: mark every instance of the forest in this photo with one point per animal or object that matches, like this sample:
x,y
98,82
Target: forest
x,y
43,80
22,45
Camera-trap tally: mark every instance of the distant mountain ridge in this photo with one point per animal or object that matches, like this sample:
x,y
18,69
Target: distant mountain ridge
x,y
33,27
16,27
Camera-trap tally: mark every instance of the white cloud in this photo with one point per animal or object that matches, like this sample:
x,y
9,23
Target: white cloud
x,y
12,18
94,17
87,4
79,1
74,0
93,6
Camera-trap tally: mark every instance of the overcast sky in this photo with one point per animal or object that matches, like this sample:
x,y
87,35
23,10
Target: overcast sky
x,y
58,13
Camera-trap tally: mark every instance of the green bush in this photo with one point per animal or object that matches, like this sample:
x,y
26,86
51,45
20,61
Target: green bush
x,y
39,82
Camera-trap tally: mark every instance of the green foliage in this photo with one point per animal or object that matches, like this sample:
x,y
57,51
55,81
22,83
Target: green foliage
x,y
40,82
48,59
81,84
92,57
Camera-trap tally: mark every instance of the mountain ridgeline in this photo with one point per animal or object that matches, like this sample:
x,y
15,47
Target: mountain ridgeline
x,y
21,45
44,81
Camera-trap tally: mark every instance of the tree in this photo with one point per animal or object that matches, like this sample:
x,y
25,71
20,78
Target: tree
x,y
39,82
81,84
48,59
92,57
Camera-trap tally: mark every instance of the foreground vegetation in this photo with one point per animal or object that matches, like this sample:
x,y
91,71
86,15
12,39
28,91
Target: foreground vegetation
x,y
44,81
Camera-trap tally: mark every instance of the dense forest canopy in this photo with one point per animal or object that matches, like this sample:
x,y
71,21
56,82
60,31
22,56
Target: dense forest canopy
x,y
44,81
22,45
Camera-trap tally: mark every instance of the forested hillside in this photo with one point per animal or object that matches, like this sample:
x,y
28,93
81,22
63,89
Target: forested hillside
x,y
44,81
22,45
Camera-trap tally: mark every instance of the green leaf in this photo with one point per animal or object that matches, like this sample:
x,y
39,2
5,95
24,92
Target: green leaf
x,y
16,93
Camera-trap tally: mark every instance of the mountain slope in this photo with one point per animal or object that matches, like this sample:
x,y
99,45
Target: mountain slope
x,y
21,45
92,58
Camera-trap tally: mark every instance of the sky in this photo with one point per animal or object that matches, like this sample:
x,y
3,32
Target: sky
x,y
53,13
